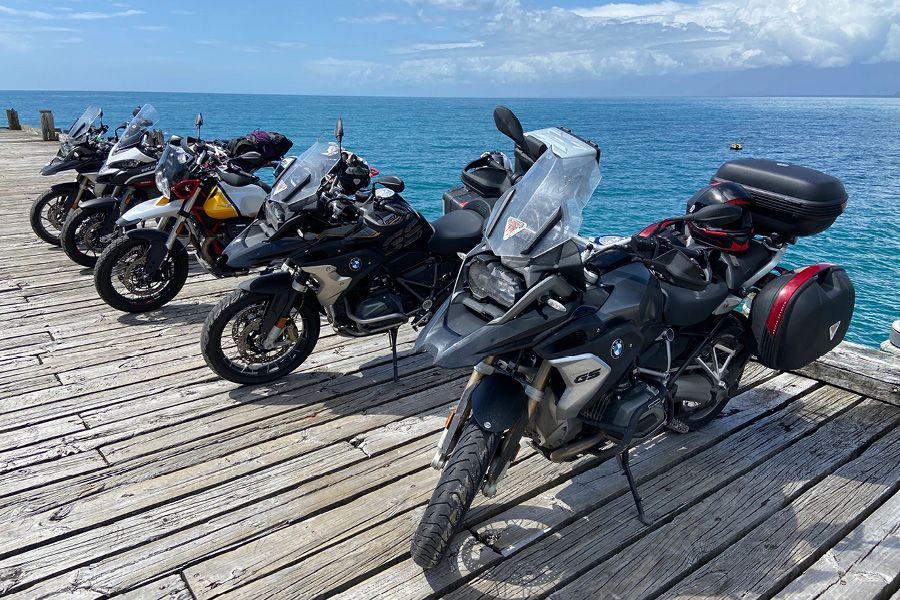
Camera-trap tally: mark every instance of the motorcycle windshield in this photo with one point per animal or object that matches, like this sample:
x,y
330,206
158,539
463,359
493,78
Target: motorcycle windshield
x,y
303,177
544,208
172,165
82,126
140,123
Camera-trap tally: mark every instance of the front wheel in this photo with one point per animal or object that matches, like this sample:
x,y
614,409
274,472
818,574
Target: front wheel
x,y
232,343
122,283
460,480
48,212
84,237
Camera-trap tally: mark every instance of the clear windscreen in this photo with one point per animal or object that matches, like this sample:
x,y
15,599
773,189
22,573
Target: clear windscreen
x,y
82,126
140,123
544,208
303,177
170,169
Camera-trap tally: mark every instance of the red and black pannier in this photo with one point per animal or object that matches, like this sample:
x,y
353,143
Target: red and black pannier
x,y
799,316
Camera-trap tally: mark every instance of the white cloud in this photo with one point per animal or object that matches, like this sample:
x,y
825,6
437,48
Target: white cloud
x,y
665,37
376,19
417,48
77,16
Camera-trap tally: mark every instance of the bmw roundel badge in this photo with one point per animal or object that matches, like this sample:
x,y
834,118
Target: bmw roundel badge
x,y
355,263
616,348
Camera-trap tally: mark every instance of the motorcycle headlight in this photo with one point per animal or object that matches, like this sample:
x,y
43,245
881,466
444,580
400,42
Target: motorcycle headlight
x,y
162,184
274,214
493,280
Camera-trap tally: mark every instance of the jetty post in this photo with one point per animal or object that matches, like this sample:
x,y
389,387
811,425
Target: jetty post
x,y
48,129
12,118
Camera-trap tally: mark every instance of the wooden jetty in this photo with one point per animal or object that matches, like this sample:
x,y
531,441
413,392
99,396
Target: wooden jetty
x,y
127,468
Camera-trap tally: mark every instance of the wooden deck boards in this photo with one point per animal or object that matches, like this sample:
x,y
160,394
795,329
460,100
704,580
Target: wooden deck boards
x,y
127,467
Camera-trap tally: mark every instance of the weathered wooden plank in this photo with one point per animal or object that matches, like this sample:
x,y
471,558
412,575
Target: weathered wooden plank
x,y
864,370
704,530
43,474
773,553
168,588
859,567
573,549
159,554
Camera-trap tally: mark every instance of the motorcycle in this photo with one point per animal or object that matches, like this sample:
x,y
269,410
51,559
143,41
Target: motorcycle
x,y
129,175
487,177
83,150
588,346
205,194
362,257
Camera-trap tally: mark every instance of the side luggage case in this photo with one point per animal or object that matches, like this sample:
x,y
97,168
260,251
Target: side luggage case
x,y
799,316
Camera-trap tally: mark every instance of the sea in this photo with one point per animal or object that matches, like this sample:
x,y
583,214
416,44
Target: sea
x,y
656,152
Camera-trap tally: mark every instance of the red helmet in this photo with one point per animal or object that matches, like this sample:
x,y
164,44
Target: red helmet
x,y
730,237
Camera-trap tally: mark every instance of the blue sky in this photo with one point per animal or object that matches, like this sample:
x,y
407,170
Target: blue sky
x,y
455,47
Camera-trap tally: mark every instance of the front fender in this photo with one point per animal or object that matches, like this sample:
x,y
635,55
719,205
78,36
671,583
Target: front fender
x,y
498,403
269,284
150,209
69,186
279,287
105,202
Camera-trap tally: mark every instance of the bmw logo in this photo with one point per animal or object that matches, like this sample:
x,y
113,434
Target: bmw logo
x,y
355,263
616,349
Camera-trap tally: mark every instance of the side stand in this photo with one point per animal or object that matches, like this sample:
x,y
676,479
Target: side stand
x,y
392,335
626,467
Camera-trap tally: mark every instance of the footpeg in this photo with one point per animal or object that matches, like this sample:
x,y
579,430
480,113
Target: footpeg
x,y
678,426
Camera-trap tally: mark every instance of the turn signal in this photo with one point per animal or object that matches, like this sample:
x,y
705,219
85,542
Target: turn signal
x,y
449,418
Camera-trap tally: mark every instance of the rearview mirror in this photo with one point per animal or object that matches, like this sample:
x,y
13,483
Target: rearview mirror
x,y
175,140
122,125
719,214
101,114
508,124
339,129
392,182
198,121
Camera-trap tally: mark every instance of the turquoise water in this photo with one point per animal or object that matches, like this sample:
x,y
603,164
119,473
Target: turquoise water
x,y
656,153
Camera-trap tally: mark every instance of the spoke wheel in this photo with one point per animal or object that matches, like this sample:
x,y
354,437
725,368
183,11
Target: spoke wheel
x,y
83,235
122,282
235,348
48,213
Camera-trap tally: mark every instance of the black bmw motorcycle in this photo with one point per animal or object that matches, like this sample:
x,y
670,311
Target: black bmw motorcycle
x,y
84,150
589,346
362,257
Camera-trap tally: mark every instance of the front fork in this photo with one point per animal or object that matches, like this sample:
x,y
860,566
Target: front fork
x,y
278,315
509,444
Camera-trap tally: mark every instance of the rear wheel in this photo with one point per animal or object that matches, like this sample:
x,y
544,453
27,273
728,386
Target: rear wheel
x,y
122,283
460,480
713,378
232,346
49,210
83,235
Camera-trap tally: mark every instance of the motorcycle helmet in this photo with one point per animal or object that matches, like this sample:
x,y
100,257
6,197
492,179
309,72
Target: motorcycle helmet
x,y
730,237
355,175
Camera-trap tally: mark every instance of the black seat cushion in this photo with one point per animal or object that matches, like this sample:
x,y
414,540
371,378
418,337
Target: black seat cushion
x,y
457,231
242,179
739,267
487,181
686,307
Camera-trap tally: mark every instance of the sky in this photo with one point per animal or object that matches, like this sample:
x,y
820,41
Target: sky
x,y
495,48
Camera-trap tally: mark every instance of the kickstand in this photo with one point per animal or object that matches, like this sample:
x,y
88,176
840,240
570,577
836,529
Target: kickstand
x,y
623,462
392,335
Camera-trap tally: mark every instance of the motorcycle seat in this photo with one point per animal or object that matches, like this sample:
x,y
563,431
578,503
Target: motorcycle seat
x,y
457,231
684,307
241,179
739,267
487,181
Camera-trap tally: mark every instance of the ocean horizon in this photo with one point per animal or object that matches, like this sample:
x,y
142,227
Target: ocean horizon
x,y
656,152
